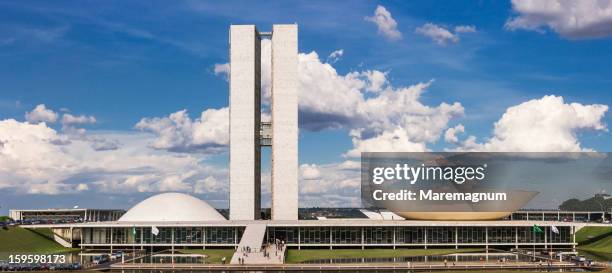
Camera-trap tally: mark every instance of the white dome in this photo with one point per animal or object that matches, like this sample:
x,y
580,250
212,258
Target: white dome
x,y
171,207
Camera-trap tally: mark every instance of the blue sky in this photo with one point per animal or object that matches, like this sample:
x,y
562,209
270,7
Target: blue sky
x,y
120,62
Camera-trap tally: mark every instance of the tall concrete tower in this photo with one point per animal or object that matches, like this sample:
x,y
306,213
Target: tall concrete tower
x,y
284,122
245,120
248,133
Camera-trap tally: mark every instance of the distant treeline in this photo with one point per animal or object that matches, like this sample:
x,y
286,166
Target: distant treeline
x,y
598,202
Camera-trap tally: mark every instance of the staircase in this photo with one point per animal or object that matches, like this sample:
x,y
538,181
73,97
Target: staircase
x,y
252,239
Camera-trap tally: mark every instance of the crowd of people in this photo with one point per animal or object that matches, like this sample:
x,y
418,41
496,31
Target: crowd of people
x,y
276,248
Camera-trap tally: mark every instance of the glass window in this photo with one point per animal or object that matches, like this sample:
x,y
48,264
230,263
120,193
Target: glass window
x,y
287,234
410,235
378,235
471,235
440,235
314,235
220,235
502,234
346,235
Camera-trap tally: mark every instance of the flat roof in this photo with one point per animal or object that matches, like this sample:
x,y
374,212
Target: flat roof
x,y
319,223
59,209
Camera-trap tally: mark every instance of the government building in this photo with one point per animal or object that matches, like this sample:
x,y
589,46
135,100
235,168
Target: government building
x,y
170,221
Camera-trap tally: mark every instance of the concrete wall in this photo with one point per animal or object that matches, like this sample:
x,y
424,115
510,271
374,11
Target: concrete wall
x,y
284,122
245,103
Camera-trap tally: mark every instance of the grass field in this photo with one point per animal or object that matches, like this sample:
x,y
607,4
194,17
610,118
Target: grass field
x,y
588,233
214,255
22,241
298,256
595,239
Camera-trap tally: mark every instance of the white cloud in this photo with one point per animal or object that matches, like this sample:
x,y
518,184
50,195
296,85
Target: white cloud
x,y
335,186
443,35
540,125
335,56
350,165
376,80
210,184
465,29
82,187
364,102
309,172
397,140
179,133
69,129
223,70
266,69
31,163
41,114
437,33
394,116
571,19
69,120
102,144
387,26
451,133
391,117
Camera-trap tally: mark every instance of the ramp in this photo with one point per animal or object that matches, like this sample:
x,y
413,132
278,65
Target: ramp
x,y
253,237
250,247
387,215
371,214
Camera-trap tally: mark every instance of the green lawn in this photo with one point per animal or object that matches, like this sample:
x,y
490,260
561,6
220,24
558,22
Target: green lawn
x,y
595,239
214,255
587,233
298,256
18,240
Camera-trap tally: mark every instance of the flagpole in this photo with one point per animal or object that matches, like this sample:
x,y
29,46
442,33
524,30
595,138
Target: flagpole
x,y
534,241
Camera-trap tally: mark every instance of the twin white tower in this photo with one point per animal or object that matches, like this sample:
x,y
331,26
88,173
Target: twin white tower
x,y
248,134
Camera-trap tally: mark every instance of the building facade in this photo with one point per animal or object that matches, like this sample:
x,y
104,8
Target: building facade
x,y
336,234
248,134
70,215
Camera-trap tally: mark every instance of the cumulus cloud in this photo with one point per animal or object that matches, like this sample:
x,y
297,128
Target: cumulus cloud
x,y
222,70
31,163
548,124
364,102
70,130
335,56
349,165
390,118
570,19
451,133
376,80
179,133
335,186
387,26
70,120
437,33
102,144
309,172
41,114
347,105
443,35
210,184
388,141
